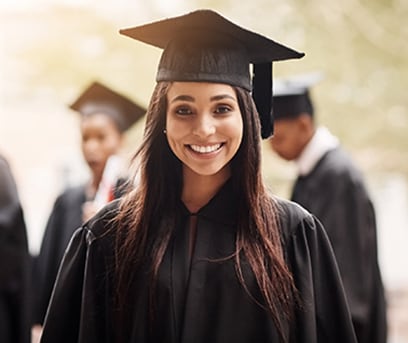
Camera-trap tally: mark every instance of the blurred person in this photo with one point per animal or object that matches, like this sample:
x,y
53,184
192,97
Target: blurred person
x,y
105,115
331,187
200,251
14,262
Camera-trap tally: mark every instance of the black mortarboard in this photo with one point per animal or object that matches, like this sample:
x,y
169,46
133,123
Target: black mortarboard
x,y
98,98
291,96
204,46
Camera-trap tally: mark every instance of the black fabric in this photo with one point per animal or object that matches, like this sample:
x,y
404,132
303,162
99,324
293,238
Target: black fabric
x,y
334,191
291,95
65,218
14,263
259,49
197,56
262,85
291,106
211,306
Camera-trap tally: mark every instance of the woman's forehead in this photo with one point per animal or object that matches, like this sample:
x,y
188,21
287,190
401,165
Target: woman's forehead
x,y
200,89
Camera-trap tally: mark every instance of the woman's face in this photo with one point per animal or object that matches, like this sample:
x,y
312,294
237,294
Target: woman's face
x,y
204,126
100,139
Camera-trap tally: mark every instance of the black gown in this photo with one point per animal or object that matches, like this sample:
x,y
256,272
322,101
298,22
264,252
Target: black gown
x,y
334,191
65,218
208,304
14,263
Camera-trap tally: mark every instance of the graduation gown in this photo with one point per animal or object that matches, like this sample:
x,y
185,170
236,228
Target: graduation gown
x,y
201,301
14,263
334,191
65,218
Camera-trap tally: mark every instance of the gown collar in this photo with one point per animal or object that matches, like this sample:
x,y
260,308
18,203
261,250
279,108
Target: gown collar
x,y
222,207
321,142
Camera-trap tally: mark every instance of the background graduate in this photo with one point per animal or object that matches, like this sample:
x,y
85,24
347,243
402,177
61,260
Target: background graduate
x,y
105,115
331,187
200,251
14,262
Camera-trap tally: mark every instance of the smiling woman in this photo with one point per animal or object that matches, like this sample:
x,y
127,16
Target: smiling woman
x,y
200,251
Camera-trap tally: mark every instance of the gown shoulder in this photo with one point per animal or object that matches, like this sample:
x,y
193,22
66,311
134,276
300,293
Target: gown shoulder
x,y
293,218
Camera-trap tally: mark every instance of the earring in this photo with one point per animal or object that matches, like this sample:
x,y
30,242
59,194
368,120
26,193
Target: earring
x,y
164,131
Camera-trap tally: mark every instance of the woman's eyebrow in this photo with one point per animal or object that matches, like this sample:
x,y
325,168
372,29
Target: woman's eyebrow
x,y
183,98
213,98
222,96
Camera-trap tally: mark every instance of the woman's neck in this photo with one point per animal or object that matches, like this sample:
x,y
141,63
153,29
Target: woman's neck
x,y
198,190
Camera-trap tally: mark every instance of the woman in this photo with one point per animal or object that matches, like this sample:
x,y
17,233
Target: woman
x,y
200,251
105,116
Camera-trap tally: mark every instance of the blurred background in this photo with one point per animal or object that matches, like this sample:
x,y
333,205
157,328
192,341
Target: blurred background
x,y
50,50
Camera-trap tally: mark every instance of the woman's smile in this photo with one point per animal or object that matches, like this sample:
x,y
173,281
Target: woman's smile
x,y
205,149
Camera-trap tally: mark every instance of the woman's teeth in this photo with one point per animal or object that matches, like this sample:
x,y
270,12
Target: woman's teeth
x,y
205,149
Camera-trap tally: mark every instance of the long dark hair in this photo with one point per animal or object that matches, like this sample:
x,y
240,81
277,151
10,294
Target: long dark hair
x,y
159,190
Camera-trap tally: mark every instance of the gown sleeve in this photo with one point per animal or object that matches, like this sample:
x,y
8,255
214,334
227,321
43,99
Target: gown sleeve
x,y
65,218
352,232
46,264
78,307
323,314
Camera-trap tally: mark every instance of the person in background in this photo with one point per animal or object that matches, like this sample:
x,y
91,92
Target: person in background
x,y
105,115
200,251
331,187
14,262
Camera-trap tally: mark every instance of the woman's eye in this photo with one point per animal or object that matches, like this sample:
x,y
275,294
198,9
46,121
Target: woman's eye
x,y
183,110
223,109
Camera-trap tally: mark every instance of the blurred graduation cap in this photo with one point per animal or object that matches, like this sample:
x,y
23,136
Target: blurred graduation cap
x,y
291,96
203,46
98,98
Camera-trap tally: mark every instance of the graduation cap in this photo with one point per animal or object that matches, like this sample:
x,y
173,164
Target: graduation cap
x,y
203,46
291,96
98,98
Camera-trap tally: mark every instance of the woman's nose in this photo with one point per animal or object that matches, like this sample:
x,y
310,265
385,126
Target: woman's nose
x,y
204,125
